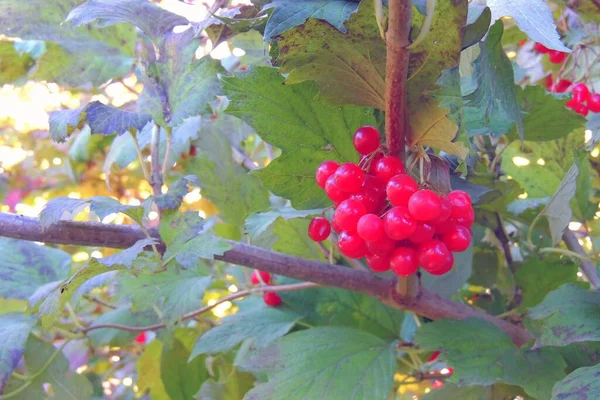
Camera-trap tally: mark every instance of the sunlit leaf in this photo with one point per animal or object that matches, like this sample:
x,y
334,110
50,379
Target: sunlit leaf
x,y
14,329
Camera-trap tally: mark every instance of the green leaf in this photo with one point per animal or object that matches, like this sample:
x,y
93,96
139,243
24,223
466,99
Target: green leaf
x,y
545,116
261,323
119,316
533,17
177,191
582,383
258,223
569,314
232,21
496,91
14,329
125,258
287,14
148,369
174,292
340,363
537,277
498,391
293,239
25,266
108,120
348,68
476,30
181,379
480,354
13,65
314,132
448,284
178,85
153,20
64,122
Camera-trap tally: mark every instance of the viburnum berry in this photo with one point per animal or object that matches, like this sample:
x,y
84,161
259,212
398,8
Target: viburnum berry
x,y
319,229
445,210
334,192
404,261
370,228
556,57
400,188
324,171
271,299
349,177
582,109
366,139
382,246
398,223
347,214
351,245
335,227
372,194
387,167
423,233
581,92
266,277
378,263
434,256
458,239
443,226
561,86
461,203
594,103
540,48
467,219
425,205
141,338
434,356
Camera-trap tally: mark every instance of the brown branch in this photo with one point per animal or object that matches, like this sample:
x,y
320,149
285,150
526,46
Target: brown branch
x,y
193,314
587,267
99,301
427,303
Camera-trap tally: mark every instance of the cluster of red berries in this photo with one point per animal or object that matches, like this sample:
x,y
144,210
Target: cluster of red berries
x,y
382,214
263,277
583,101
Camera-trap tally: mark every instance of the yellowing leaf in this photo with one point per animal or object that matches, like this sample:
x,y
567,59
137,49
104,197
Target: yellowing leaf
x,y
431,127
148,367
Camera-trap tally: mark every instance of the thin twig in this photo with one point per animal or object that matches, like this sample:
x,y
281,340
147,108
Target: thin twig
x,y
166,166
246,161
243,293
587,267
156,180
99,301
141,157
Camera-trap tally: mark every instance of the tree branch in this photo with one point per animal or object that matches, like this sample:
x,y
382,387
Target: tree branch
x,y
426,303
587,267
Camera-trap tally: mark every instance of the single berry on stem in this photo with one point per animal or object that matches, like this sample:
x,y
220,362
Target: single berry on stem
x,y
319,229
266,277
324,171
387,167
400,188
349,177
458,239
348,213
556,57
444,268
461,203
366,140
141,338
378,263
271,299
434,256
398,223
351,245
403,261
425,205
370,228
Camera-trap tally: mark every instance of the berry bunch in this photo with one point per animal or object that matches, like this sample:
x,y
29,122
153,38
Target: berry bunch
x,y
382,214
555,56
263,277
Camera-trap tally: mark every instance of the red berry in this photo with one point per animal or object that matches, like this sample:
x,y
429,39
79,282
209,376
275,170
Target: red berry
x,y
266,277
398,223
335,227
366,139
582,109
561,86
349,177
348,213
445,268
334,192
141,338
581,92
382,246
540,48
374,158
425,205
434,356
399,189
458,239
445,210
572,104
324,171
437,384
372,195
423,233
271,299
404,261
461,203
434,256
594,103
556,57
193,153
378,263
370,228
467,219
351,245
319,229
387,167
444,226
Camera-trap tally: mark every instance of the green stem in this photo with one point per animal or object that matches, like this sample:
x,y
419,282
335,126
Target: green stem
x,y
530,232
68,334
407,363
165,166
73,315
426,27
18,376
154,248
141,157
304,324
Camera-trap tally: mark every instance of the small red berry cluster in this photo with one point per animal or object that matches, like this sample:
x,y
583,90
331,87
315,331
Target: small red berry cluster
x,y
583,101
263,277
383,215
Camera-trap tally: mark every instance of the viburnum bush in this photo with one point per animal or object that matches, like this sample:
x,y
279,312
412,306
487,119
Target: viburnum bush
x,y
299,199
